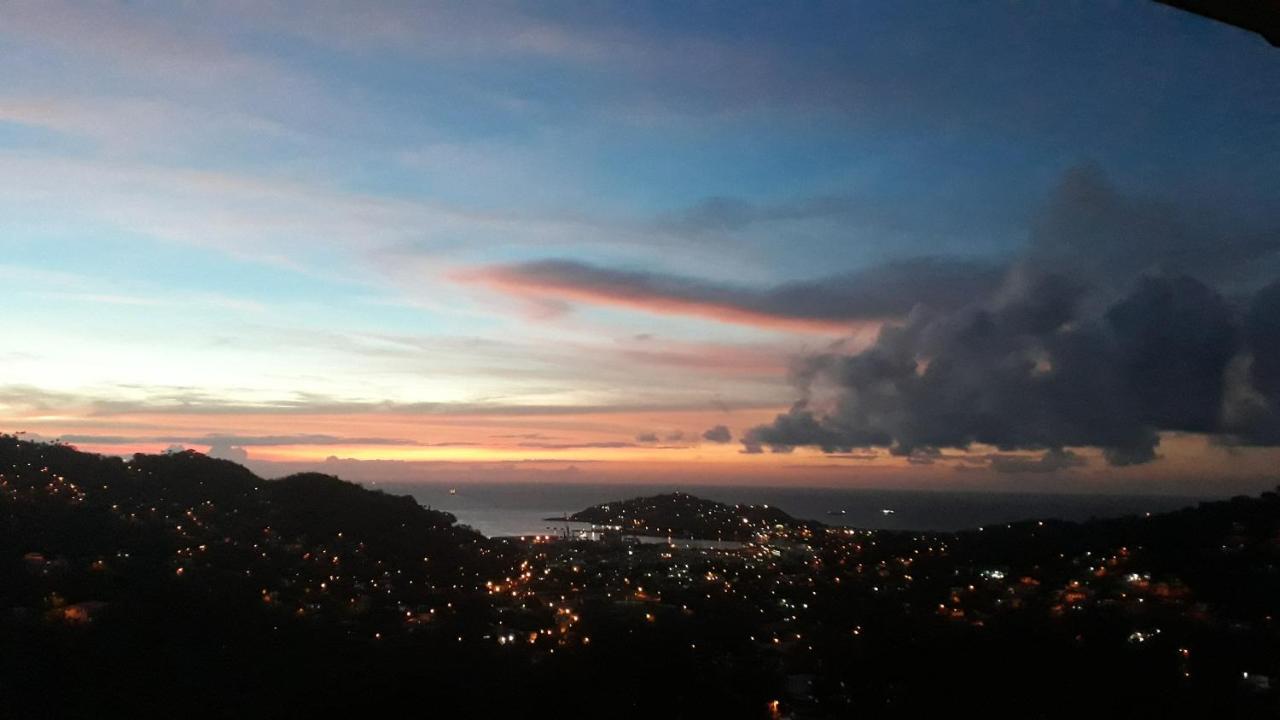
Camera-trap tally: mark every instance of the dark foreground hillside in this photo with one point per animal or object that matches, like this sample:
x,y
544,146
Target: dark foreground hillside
x,y
182,585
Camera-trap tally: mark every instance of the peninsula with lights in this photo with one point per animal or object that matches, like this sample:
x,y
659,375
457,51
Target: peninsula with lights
x,y
685,516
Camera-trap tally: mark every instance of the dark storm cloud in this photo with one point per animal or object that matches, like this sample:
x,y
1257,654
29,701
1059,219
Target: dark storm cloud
x,y
1049,461
1024,371
1088,229
718,434
886,291
1253,388
1096,338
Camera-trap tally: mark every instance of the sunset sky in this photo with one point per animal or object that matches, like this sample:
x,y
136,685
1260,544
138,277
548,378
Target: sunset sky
x,y
937,245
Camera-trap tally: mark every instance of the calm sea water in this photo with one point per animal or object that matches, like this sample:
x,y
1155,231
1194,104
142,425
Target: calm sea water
x,y
520,509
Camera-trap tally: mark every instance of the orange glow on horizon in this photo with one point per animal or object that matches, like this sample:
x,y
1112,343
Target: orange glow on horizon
x,y
602,447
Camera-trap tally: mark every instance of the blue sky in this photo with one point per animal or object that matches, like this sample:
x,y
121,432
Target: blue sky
x,y
257,203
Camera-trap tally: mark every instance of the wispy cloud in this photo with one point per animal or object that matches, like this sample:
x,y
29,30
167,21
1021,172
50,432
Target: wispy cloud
x,y
249,440
833,304
198,402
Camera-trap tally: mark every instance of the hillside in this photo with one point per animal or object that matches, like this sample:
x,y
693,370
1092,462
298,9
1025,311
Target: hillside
x,y
179,583
150,569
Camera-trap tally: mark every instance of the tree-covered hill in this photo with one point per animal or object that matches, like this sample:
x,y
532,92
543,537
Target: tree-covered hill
x,y
683,515
177,584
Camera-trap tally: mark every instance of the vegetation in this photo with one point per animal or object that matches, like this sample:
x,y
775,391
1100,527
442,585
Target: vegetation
x,y
685,516
179,584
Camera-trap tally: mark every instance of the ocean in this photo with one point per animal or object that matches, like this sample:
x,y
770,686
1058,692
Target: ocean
x,y
498,510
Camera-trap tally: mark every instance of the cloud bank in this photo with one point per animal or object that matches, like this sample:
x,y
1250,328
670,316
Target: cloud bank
x,y
1099,336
